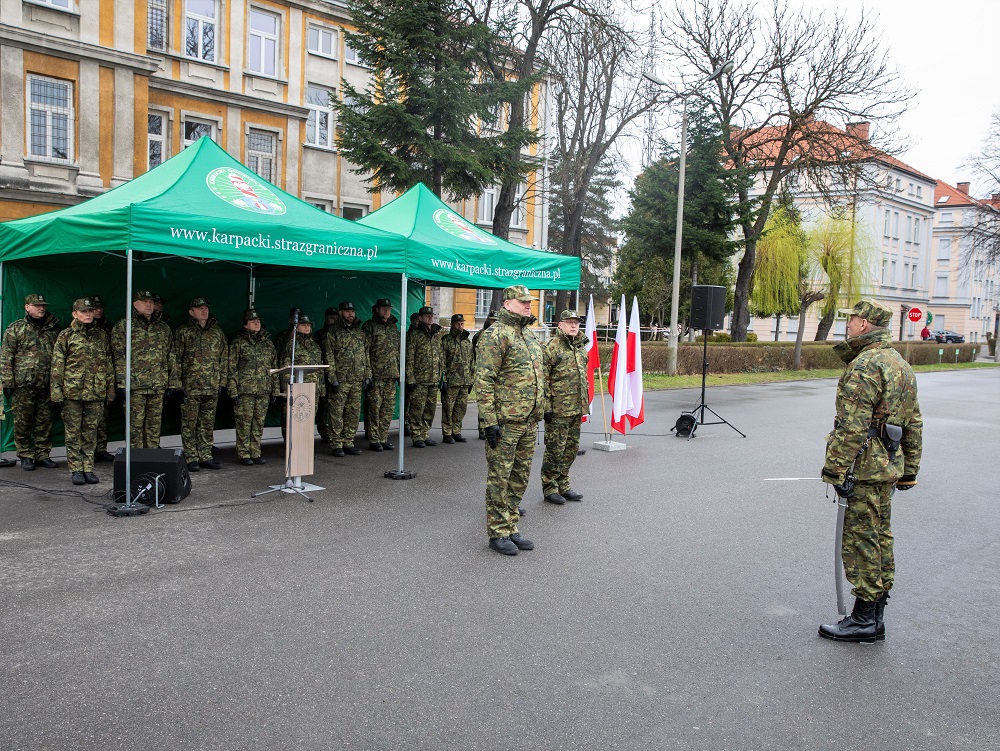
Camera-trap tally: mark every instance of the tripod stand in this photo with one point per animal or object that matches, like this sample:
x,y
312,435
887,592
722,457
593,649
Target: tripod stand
x,y
699,411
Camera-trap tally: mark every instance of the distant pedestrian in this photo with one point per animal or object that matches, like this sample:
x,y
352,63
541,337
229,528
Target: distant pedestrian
x,y
925,333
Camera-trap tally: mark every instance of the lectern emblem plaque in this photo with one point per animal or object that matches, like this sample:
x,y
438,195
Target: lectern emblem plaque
x,y
301,410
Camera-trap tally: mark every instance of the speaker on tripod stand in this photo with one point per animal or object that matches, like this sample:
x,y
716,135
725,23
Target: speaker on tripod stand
x,y
708,313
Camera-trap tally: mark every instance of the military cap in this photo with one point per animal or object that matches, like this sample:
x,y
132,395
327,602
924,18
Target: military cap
x,y
872,311
382,302
414,317
84,303
346,305
157,297
457,317
293,311
197,302
304,318
143,294
518,292
251,315
35,300
330,312
427,310
570,315
494,314
98,300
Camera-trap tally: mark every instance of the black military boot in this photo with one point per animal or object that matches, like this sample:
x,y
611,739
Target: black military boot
x,y
879,612
859,626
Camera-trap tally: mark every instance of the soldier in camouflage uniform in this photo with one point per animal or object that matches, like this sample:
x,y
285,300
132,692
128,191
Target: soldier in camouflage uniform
x,y
510,390
154,369
102,454
203,361
5,462
251,385
423,375
330,317
25,364
307,352
567,400
383,355
456,347
345,350
83,380
285,335
158,303
490,320
878,389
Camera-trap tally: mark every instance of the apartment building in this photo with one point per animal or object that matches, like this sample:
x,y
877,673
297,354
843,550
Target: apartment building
x,y
95,92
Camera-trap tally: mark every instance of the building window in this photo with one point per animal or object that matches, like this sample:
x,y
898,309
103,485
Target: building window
x,y
913,276
909,228
199,29
944,249
195,129
263,43
892,273
62,4
261,153
351,56
916,230
906,274
911,189
520,217
318,126
156,22
940,290
920,192
899,185
945,218
895,225
487,203
156,138
321,205
353,211
319,41
483,299
885,271
50,118
885,229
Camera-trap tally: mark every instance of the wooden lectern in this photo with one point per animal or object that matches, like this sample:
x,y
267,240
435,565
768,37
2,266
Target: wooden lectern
x,y
300,417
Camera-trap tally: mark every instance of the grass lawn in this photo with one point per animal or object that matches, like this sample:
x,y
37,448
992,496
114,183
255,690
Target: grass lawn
x,y
653,381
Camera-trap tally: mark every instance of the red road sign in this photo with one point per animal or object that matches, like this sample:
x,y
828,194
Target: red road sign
x,y
915,314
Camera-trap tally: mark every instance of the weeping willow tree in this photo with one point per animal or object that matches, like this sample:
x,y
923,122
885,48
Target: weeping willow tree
x,y
779,267
843,253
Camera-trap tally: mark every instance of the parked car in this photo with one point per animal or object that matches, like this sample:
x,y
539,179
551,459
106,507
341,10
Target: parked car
x,y
949,337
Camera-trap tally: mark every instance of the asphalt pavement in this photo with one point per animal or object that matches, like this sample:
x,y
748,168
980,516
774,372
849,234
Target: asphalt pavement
x,y
675,607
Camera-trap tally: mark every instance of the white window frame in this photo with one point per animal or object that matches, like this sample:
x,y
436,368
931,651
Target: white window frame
x,y
212,125
888,216
353,207
487,200
163,27
163,138
946,218
940,282
351,56
320,32
68,5
201,22
944,249
51,114
255,157
483,299
916,230
885,271
316,111
892,273
895,225
257,40
519,219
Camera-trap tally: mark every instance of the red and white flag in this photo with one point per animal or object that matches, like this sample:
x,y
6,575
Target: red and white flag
x,y
618,379
635,413
593,356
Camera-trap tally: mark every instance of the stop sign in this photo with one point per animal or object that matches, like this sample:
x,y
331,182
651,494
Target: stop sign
x,y
915,314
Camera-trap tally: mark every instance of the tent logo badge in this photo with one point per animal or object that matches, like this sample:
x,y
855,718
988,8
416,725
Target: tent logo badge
x,y
455,225
244,191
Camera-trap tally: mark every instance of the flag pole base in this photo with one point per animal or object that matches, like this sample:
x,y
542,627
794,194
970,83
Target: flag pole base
x,y
609,446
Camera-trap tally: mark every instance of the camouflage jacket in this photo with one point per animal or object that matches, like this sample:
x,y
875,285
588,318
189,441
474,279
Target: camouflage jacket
x,y
566,389
345,350
877,387
307,352
383,348
26,352
283,337
510,373
423,355
251,357
81,365
154,366
202,356
456,347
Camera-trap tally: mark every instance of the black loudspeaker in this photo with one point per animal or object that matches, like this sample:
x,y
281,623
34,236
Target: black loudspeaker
x,y
146,465
708,307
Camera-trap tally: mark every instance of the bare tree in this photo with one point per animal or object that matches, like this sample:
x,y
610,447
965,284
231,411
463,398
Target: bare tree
x,y
982,233
802,85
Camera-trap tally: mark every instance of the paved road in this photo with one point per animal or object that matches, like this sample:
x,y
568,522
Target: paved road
x,y
675,607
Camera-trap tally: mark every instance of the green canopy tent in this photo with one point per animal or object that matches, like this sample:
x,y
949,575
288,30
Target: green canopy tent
x,y
445,249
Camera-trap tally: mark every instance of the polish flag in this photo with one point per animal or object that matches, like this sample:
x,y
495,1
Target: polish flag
x,y
635,414
618,377
593,356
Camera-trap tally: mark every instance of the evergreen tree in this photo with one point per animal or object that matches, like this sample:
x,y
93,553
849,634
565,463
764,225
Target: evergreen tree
x,y
419,117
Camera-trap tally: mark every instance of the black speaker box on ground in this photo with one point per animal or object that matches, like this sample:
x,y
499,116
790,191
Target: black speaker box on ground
x,y
708,307
146,462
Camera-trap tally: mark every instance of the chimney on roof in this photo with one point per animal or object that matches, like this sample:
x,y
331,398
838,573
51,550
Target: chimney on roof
x,y
963,188
859,130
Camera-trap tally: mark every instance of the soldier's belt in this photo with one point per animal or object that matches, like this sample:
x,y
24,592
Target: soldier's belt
x,y
890,435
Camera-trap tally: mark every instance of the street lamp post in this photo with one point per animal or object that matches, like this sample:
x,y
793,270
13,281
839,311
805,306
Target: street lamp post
x,y
675,293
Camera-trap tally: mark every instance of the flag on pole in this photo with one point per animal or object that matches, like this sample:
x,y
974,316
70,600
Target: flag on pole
x,y
635,413
593,356
618,380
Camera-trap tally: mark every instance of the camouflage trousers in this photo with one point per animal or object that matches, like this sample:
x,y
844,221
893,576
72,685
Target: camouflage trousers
x,y
562,441
507,473
454,404
250,412
80,419
33,417
867,545
145,419
198,426
323,416
102,430
381,404
344,414
423,402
